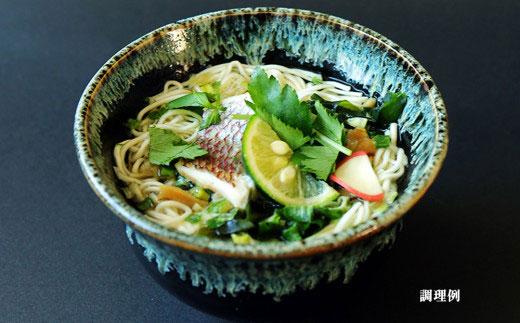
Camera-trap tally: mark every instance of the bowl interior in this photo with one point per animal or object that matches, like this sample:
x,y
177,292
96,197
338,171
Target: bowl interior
x,y
335,47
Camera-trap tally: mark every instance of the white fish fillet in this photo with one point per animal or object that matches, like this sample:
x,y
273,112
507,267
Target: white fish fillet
x,y
221,170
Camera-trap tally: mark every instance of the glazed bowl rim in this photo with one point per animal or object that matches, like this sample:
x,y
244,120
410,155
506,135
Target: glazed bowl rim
x,y
266,250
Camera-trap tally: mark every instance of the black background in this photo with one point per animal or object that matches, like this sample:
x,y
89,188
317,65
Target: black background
x,y
64,256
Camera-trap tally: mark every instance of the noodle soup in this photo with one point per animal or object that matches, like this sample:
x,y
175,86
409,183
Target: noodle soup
x,y
258,153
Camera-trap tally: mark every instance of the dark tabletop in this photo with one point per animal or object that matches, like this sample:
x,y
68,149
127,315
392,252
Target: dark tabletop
x,y
65,257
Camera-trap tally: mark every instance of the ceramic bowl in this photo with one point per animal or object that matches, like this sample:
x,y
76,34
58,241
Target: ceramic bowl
x,y
334,46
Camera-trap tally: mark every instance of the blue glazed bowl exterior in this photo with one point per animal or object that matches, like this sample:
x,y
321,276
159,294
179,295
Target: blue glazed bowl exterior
x,y
261,35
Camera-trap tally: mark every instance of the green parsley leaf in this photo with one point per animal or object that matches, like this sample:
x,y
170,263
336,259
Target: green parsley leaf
x,y
393,105
145,204
319,160
381,141
283,103
166,146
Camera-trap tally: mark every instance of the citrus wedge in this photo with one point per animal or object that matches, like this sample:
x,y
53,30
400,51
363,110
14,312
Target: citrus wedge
x,y
275,174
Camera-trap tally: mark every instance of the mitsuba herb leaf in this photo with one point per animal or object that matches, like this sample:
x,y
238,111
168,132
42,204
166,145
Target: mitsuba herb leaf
x,y
319,160
195,99
393,105
349,106
292,136
196,102
329,131
327,124
166,146
381,141
281,102
188,151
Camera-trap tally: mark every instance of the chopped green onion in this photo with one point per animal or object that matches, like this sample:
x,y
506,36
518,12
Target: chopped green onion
x,y
316,80
165,171
183,182
292,233
219,220
271,225
221,206
145,204
194,218
234,226
242,238
199,193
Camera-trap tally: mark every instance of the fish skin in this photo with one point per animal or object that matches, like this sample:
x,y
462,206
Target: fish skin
x,y
223,141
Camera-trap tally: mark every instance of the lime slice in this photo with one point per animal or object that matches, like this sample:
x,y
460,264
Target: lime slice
x,y
270,170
